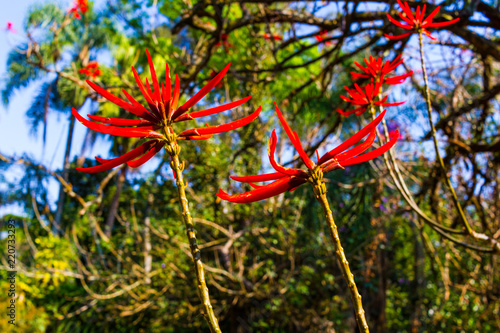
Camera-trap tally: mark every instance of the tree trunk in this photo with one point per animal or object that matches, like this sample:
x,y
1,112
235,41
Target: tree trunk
x,y
116,201
64,175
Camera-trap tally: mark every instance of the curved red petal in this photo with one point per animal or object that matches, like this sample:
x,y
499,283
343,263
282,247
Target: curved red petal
x,y
177,91
277,187
121,121
214,110
259,178
374,153
111,163
200,94
131,132
399,24
398,36
222,128
353,139
146,157
272,150
441,24
154,78
359,148
293,138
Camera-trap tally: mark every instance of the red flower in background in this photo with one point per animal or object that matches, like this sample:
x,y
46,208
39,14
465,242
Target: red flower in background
x,y
416,22
92,69
223,41
79,6
376,69
155,124
321,36
287,179
10,27
364,98
274,36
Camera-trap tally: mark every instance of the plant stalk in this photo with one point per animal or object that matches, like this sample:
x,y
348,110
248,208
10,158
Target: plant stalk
x,y
320,194
433,132
195,251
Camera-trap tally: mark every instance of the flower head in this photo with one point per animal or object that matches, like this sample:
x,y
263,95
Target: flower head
x,y
10,27
415,21
156,123
274,36
376,69
321,36
287,179
79,6
223,41
92,69
365,98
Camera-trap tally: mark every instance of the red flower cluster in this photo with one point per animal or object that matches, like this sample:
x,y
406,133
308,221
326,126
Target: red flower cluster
x,y
416,22
92,69
376,70
79,6
274,36
223,41
155,123
365,98
287,179
321,36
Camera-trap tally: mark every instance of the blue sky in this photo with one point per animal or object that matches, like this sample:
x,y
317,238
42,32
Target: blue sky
x,y
15,137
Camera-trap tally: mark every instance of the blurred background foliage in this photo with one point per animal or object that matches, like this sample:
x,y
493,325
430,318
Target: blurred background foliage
x,y
83,261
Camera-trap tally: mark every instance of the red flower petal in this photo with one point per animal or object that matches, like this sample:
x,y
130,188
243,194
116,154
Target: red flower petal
x,y
359,148
121,121
259,178
374,153
277,187
352,140
146,157
278,167
222,128
131,132
214,110
295,142
200,94
138,111
156,85
397,23
441,24
111,163
398,36
177,91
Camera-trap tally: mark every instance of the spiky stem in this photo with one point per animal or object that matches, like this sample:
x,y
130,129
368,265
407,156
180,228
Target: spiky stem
x,y
316,179
173,149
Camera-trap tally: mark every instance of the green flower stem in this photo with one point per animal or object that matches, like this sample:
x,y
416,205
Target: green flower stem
x,y
316,180
195,251
433,132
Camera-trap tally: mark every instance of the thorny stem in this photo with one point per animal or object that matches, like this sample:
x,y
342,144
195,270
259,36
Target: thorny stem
x,y
173,149
316,179
433,132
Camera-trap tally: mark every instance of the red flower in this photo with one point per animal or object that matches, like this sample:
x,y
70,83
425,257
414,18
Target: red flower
x,y
79,6
365,98
156,123
269,37
223,41
287,179
92,69
10,27
416,21
321,36
375,70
